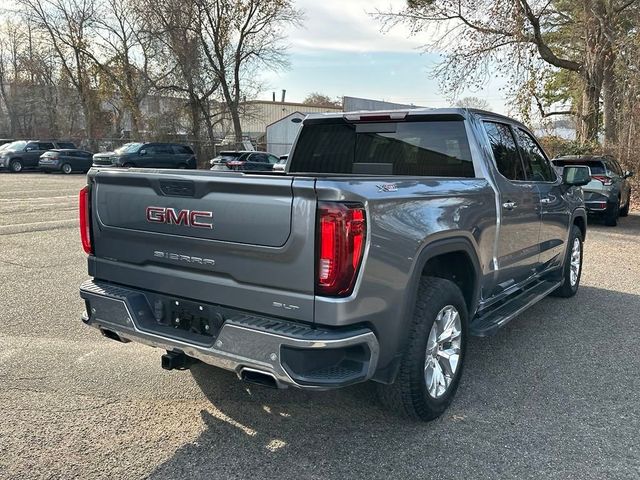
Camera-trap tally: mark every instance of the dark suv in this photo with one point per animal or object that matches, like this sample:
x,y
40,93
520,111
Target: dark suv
x,y
25,154
153,155
609,192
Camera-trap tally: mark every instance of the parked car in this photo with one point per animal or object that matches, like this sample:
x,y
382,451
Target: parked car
x,y
25,154
392,238
609,191
243,161
282,163
222,158
148,155
65,160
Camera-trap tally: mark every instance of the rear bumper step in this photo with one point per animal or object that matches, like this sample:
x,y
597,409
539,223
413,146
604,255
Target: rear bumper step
x,y
293,354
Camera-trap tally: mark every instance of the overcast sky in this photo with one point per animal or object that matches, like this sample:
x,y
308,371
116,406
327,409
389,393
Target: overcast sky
x,y
341,51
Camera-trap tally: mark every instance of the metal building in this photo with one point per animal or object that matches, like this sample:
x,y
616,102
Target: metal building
x,y
282,133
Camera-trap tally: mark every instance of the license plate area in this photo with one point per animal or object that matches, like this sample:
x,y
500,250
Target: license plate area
x,y
177,318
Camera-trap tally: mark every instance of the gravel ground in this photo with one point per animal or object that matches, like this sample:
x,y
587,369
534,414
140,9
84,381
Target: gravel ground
x,y
553,395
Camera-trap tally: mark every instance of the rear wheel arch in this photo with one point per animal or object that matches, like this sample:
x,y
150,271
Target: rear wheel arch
x,y
430,261
580,221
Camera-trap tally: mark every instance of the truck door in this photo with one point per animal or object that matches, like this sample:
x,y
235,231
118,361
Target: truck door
x,y
519,203
554,212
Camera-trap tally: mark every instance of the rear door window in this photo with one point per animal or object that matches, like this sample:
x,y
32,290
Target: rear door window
x,y
45,146
435,148
66,145
537,167
613,167
505,151
182,150
159,149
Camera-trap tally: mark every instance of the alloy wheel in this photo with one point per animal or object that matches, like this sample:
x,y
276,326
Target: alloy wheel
x,y
575,262
443,351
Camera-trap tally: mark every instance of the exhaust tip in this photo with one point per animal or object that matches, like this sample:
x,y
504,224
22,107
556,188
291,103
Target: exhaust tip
x,y
258,377
113,335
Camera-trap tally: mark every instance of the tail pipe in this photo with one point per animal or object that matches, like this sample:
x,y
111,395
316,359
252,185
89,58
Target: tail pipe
x,y
258,377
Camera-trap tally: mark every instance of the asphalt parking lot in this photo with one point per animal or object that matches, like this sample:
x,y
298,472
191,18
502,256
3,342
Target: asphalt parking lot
x,y
556,394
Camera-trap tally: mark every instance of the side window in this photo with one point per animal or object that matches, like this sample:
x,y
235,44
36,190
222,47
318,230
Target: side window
x,y
31,146
45,146
164,149
273,159
259,157
181,150
536,165
158,149
614,167
505,151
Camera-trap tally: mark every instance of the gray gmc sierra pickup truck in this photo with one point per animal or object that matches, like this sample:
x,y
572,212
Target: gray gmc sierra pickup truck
x,y
390,238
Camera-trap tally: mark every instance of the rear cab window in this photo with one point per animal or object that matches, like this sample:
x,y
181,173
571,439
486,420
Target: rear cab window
x,y
422,147
596,166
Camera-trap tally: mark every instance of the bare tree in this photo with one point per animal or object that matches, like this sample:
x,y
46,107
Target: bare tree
x,y
67,24
473,102
316,98
179,65
121,54
518,37
237,37
29,80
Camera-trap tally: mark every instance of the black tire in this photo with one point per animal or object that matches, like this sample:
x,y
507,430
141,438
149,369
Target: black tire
x,y
624,212
128,165
409,395
569,289
612,213
66,169
15,166
46,171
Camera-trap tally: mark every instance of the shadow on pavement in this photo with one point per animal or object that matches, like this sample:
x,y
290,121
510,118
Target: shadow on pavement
x,y
545,395
625,224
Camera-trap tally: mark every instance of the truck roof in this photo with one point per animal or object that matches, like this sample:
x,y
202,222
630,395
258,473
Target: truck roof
x,y
402,113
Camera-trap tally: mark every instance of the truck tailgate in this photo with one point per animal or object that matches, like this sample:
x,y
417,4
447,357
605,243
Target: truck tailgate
x,y
231,239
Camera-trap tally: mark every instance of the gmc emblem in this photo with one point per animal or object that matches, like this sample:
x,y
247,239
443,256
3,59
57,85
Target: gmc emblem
x,y
171,216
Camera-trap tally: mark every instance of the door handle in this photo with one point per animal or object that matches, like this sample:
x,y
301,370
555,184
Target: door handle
x,y
545,200
509,205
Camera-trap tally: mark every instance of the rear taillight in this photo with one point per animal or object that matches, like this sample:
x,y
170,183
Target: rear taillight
x,y
606,181
85,220
342,230
234,163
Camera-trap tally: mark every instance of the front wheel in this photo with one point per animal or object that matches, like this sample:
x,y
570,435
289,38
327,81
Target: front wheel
x,y
572,270
432,363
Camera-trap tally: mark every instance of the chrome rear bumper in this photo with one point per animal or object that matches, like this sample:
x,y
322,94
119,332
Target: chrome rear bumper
x,y
244,341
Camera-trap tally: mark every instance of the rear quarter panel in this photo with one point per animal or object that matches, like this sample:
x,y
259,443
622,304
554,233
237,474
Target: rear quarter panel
x,y
403,218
